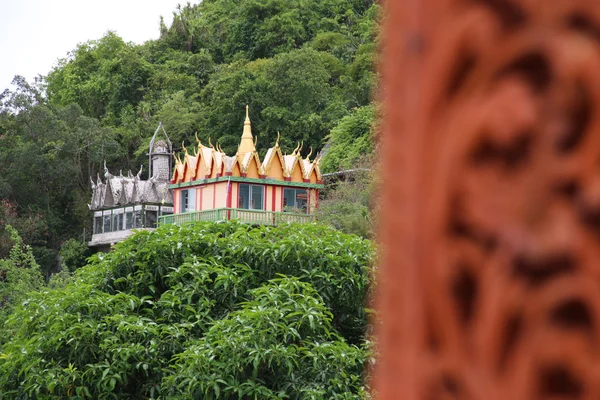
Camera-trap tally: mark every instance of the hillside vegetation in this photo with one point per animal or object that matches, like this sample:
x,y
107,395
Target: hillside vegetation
x,y
305,67
200,311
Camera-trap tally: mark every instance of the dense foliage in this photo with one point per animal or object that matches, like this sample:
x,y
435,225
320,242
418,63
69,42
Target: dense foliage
x,y
47,155
306,68
200,311
19,275
352,142
73,254
351,201
300,65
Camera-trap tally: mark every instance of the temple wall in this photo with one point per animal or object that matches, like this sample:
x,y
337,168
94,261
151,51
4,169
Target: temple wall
x,y
252,170
220,197
205,201
278,198
312,200
199,194
234,194
297,174
201,169
177,201
275,170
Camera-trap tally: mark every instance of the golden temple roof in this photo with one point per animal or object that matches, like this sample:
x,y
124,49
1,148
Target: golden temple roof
x,y
246,161
247,141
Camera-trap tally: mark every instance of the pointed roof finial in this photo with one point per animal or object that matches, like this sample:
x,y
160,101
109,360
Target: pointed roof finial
x,y
247,143
295,152
198,144
309,153
277,141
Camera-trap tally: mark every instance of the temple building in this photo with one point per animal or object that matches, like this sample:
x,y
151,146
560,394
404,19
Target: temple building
x,y
123,203
208,185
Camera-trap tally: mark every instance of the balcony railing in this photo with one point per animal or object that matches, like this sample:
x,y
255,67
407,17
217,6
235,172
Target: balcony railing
x,y
254,217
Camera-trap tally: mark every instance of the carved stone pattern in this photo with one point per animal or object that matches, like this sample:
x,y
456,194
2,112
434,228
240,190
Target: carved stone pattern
x,y
160,167
490,287
160,147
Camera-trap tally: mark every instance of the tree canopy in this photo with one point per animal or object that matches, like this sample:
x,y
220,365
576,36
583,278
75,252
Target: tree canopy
x,y
300,65
204,310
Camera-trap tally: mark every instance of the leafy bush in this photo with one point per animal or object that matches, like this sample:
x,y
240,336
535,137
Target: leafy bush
x,y
350,204
204,310
19,274
73,254
280,343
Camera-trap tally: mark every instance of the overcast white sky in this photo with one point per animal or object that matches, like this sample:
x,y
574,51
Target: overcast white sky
x,y
35,33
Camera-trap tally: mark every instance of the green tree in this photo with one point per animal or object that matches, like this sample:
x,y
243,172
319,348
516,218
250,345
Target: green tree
x,y
285,326
301,65
102,77
293,93
19,275
30,225
73,254
202,309
350,204
354,138
47,156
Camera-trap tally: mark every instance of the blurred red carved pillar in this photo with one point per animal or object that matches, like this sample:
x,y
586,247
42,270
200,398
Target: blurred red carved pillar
x,y
490,281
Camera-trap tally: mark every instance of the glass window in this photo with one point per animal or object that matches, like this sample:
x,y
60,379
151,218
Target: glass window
x,y
244,196
151,217
115,222
251,197
256,198
107,223
184,201
138,219
97,224
192,201
295,198
129,220
188,200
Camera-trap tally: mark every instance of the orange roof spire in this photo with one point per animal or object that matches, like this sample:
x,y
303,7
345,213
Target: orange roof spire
x,y
247,142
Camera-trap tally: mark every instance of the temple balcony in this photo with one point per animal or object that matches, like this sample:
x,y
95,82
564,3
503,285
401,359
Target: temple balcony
x,y
253,217
103,241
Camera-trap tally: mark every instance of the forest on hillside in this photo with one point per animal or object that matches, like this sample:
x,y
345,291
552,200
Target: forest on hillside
x,y
307,68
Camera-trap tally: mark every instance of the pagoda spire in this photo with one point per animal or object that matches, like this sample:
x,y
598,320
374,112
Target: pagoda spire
x,y
247,142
